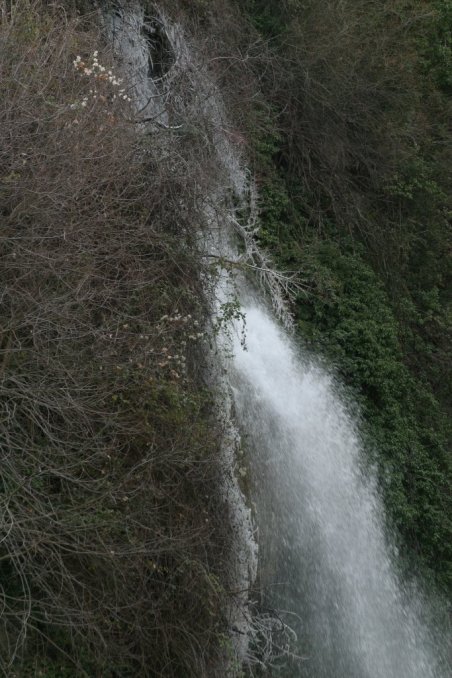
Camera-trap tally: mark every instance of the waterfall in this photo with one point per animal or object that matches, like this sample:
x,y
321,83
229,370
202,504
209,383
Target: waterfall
x,y
323,553
325,563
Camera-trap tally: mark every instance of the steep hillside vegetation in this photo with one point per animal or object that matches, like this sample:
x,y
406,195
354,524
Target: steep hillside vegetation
x,y
114,547
114,538
353,159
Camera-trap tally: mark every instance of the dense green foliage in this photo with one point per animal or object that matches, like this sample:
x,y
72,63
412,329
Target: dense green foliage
x,y
353,166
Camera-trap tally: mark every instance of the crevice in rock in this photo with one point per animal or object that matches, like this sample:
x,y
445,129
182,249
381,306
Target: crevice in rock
x,y
161,53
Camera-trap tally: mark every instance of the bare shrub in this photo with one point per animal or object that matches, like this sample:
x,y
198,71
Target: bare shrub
x,y
337,81
348,74
110,530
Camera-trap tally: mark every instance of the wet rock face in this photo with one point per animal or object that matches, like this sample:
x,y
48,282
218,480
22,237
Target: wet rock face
x,y
171,90
144,52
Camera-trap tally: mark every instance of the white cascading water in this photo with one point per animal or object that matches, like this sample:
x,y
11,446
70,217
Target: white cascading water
x,y
324,562
322,549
